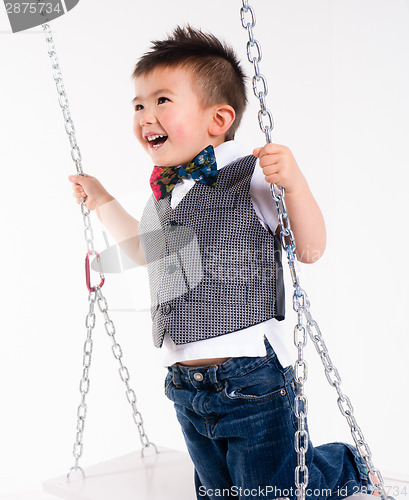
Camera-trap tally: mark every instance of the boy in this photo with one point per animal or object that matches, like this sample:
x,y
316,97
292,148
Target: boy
x,y
209,237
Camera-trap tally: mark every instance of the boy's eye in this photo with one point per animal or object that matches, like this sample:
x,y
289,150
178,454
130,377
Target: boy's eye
x,y
162,100
138,107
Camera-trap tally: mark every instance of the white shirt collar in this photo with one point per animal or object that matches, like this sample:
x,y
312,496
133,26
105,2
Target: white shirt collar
x,y
227,152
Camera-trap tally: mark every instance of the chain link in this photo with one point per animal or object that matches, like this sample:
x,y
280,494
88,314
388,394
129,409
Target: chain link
x,y
123,370
254,55
301,439
95,293
301,304
84,383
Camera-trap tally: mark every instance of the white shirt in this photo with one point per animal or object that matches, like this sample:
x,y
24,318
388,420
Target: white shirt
x,y
248,341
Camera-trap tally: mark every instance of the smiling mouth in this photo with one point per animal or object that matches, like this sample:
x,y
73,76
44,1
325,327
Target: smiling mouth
x,y
155,141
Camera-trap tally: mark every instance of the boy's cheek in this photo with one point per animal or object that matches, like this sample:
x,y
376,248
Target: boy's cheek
x,y
138,134
181,129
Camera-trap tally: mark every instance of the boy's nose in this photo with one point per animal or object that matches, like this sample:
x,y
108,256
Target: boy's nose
x,y
147,118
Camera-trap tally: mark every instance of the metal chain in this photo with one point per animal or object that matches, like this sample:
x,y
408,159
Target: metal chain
x,y
254,55
345,406
301,304
84,383
95,292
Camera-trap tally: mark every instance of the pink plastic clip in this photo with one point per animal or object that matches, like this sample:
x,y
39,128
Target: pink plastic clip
x,y
87,271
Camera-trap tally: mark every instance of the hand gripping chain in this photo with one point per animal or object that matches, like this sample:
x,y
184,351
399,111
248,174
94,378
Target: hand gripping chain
x,y
301,304
95,293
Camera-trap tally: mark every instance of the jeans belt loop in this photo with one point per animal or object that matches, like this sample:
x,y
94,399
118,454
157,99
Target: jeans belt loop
x,y
213,376
177,381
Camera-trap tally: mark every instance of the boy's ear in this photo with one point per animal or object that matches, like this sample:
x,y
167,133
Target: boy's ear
x,y
222,119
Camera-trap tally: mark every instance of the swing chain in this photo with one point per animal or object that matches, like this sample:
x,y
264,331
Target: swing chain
x,y
300,301
345,406
62,98
301,440
69,127
84,383
254,55
301,304
96,293
123,370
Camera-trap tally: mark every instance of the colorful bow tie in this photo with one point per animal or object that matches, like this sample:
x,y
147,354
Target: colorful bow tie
x,y
202,169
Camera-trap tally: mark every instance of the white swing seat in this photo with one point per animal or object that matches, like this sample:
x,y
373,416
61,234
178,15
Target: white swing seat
x,y
165,475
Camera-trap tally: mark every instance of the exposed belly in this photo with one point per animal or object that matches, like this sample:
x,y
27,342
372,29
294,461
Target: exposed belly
x,y
203,362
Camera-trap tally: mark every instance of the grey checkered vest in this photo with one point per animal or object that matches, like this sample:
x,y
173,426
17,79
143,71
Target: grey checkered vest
x,y
213,268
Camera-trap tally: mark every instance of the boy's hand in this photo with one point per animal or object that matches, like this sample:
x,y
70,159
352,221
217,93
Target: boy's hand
x,y
91,187
279,167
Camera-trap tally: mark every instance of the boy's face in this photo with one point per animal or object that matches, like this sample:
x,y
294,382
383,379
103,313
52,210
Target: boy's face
x,y
169,120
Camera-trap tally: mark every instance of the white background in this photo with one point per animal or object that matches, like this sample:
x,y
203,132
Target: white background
x,y
338,75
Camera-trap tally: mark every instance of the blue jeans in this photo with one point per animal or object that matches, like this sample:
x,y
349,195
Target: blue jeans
x,y
238,422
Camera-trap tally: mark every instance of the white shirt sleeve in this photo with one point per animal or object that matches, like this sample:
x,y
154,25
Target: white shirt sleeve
x,y
263,202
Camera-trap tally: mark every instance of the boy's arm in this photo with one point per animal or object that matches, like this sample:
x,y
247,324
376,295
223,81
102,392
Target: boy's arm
x,y
307,223
123,228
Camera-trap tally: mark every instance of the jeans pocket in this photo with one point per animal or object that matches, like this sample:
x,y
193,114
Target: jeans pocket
x,y
262,384
239,394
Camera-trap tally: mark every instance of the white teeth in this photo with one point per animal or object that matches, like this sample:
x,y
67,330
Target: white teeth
x,y
153,137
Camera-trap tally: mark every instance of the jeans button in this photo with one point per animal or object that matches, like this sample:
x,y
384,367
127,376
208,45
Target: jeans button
x,y
198,377
167,308
171,268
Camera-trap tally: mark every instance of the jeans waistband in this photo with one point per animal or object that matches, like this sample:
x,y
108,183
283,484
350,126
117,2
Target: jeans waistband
x,y
200,376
